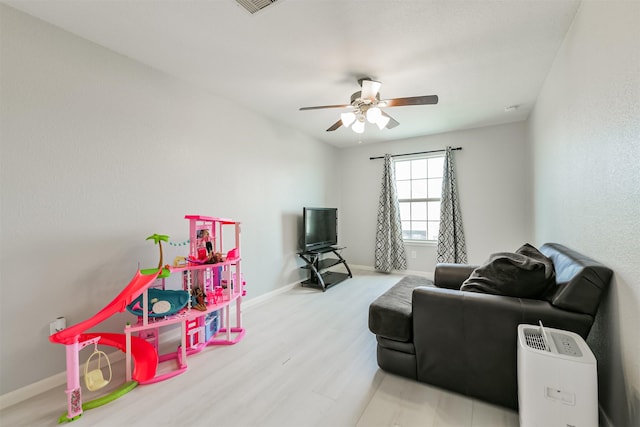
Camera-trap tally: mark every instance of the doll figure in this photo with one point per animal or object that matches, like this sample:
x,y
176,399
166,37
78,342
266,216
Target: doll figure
x,y
206,238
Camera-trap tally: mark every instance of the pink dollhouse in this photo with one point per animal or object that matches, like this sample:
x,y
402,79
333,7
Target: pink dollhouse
x,y
212,286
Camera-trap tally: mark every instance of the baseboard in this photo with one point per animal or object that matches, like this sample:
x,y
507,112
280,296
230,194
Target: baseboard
x,y
260,299
427,274
34,389
31,390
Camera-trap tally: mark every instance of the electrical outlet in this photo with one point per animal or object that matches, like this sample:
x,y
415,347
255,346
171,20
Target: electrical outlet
x,y
57,325
413,254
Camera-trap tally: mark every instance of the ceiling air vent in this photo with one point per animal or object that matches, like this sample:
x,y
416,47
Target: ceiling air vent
x,y
255,5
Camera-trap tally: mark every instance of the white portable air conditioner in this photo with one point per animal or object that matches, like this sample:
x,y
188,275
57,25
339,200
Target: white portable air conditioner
x,y
557,379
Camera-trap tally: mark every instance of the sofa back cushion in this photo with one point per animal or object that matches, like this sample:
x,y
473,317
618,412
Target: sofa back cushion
x,y
580,281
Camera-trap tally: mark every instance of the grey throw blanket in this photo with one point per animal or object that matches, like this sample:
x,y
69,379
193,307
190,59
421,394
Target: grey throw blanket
x,y
527,273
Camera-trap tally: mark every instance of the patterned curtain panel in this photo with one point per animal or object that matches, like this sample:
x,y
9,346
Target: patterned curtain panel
x,y
390,253
451,245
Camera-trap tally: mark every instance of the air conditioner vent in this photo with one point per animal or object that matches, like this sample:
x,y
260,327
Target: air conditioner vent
x,y
535,339
255,5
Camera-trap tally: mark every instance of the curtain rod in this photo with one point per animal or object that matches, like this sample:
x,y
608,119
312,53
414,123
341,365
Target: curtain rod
x,y
411,154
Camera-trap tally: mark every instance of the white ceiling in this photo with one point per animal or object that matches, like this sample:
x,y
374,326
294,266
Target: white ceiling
x,y
477,56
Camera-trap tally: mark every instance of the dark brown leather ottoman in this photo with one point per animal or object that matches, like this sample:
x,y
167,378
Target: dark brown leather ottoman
x,y
390,319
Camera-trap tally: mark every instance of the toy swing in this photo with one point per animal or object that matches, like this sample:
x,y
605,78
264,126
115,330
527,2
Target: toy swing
x,y
94,379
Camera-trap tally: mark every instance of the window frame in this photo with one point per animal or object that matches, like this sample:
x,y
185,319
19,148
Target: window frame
x,y
425,156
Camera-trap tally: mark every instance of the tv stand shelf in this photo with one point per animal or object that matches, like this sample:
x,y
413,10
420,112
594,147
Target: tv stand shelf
x,y
317,265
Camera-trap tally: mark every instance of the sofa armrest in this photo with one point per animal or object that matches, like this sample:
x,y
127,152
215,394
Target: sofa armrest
x,y
467,342
450,275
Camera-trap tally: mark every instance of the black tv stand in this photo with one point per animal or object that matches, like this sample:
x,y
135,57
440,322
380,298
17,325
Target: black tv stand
x,y
316,264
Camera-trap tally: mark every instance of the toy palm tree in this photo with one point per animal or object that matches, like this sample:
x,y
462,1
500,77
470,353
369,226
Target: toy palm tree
x,y
158,239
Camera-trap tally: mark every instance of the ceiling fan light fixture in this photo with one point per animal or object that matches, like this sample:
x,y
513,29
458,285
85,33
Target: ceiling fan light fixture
x,y
347,118
358,126
374,114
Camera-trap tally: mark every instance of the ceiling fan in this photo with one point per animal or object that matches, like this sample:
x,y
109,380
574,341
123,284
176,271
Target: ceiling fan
x,y
366,106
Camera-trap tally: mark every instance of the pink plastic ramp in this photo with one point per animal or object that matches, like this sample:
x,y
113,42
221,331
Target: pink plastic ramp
x,y
136,286
144,355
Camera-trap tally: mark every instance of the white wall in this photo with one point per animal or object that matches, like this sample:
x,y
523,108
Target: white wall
x,y
97,153
585,134
493,183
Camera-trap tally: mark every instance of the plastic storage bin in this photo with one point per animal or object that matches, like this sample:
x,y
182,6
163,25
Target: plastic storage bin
x,y
211,325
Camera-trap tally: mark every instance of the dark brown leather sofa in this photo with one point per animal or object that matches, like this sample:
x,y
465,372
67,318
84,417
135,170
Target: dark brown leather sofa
x,y
466,342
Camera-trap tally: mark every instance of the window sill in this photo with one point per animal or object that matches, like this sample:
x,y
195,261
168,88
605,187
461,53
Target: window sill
x,y
420,243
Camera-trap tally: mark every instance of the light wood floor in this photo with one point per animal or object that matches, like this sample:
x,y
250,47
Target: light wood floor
x,y
308,359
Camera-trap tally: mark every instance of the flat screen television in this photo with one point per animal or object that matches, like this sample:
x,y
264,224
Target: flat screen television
x,y
320,228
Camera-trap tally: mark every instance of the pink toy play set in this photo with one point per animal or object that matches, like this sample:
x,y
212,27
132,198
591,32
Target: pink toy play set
x,y
211,282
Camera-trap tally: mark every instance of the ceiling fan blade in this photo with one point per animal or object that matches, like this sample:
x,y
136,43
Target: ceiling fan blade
x,y
370,89
392,122
335,126
412,100
325,106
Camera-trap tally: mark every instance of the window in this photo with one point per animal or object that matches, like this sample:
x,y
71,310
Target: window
x,y
419,185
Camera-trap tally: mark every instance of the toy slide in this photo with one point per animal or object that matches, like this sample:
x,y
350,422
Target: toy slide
x,y
144,354
136,286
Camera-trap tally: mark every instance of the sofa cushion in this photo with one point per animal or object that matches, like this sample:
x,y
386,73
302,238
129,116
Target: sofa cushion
x,y
452,275
390,314
580,281
401,346
527,273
